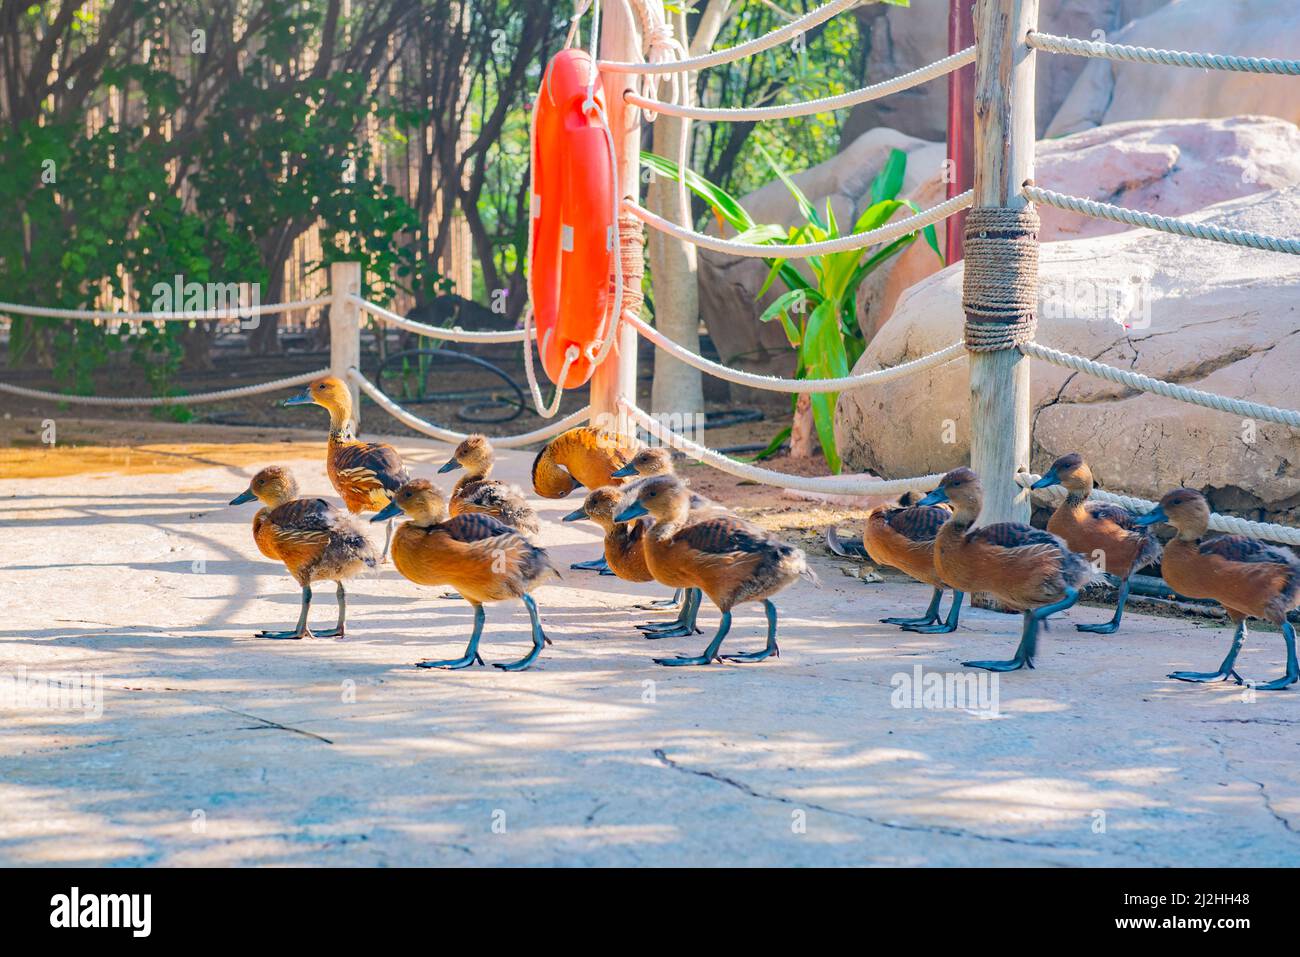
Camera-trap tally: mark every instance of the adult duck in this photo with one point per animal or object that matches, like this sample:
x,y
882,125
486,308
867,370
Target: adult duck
x,y
901,535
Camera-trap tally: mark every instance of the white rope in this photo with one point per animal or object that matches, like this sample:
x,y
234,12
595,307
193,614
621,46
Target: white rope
x,y
1179,227
827,484
1228,524
455,334
1145,383
795,386
1132,54
198,315
756,45
571,355
824,105
447,435
881,234
193,399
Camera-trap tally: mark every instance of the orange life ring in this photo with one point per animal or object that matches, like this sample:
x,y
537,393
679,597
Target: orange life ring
x,y
574,236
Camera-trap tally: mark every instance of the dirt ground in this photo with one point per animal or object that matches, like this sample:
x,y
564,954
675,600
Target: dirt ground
x,y
125,575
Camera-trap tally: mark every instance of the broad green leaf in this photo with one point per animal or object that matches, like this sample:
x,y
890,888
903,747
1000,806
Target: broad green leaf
x,y
726,204
889,180
807,208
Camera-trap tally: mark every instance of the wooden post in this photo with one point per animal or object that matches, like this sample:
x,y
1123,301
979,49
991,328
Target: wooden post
x,y
345,328
1004,159
620,40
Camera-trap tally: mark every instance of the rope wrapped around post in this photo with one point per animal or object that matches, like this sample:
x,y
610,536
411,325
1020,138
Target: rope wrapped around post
x,y
1000,283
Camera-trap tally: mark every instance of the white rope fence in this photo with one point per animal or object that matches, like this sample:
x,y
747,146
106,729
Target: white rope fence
x,y
871,237
748,48
794,386
1219,523
197,315
455,334
453,437
144,401
1133,54
804,108
1145,383
1168,224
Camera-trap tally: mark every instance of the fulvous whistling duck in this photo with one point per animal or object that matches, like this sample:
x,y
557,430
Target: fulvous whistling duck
x,y
1021,566
475,491
315,540
484,559
1107,535
902,536
728,559
582,456
1249,578
365,474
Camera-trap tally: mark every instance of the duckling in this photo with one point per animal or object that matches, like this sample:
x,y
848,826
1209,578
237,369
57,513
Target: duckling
x,y
476,492
902,536
1097,530
582,456
365,474
484,559
728,559
1249,578
1021,566
315,540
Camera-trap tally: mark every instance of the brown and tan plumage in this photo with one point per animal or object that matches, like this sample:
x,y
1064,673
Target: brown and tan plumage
x,y
314,540
624,551
581,456
1249,578
902,536
477,491
484,559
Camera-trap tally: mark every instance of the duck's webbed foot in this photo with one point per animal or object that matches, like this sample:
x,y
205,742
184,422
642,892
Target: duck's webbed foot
x,y
1024,657
1277,684
658,603
471,655
1201,677
595,565
772,650
300,630
1112,626
930,617
1292,668
539,639
954,615
683,626
710,654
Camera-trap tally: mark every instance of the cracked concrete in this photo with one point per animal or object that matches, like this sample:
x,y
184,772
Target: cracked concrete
x,y
216,748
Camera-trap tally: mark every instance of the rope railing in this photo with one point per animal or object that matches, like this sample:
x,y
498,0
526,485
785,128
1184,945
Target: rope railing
x,y
146,401
453,437
871,237
1228,524
1096,49
731,54
192,315
807,107
794,386
1146,383
454,334
1167,224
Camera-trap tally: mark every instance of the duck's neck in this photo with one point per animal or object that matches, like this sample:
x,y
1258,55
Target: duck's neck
x,y
341,427
963,517
549,478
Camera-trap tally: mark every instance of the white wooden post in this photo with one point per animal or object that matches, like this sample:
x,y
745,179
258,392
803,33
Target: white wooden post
x,y
620,40
1004,159
345,328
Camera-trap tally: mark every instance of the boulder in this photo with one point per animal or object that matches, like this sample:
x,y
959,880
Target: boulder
x,y
1109,92
1200,313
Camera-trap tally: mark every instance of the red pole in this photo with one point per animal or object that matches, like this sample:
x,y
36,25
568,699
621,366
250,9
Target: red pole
x,y
961,113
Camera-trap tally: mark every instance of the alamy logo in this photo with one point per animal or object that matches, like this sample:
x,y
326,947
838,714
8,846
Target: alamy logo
x,y
102,910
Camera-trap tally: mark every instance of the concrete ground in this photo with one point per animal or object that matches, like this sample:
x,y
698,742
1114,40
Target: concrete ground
x,y
214,748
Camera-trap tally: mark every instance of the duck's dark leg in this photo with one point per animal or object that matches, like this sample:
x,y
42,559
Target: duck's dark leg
x,y
471,656
595,565
662,602
1292,669
302,631
684,626
954,614
539,639
771,648
339,631
1028,636
710,653
1110,627
1226,669
931,613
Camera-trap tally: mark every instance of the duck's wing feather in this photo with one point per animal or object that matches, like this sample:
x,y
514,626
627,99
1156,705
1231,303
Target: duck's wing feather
x,y
305,515
475,526
1117,514
372,463
1239,548
722,536
1014,535
919,523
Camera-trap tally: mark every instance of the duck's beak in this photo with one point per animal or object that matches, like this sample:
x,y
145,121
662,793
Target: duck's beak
x,y
577,515
934,498
635,510
391,510
1049,479
244,496
626,471
302,398
449,467
1153,517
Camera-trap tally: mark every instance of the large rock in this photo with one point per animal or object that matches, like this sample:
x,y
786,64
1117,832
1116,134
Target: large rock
x,y
1212,316
1170,167
1108,92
